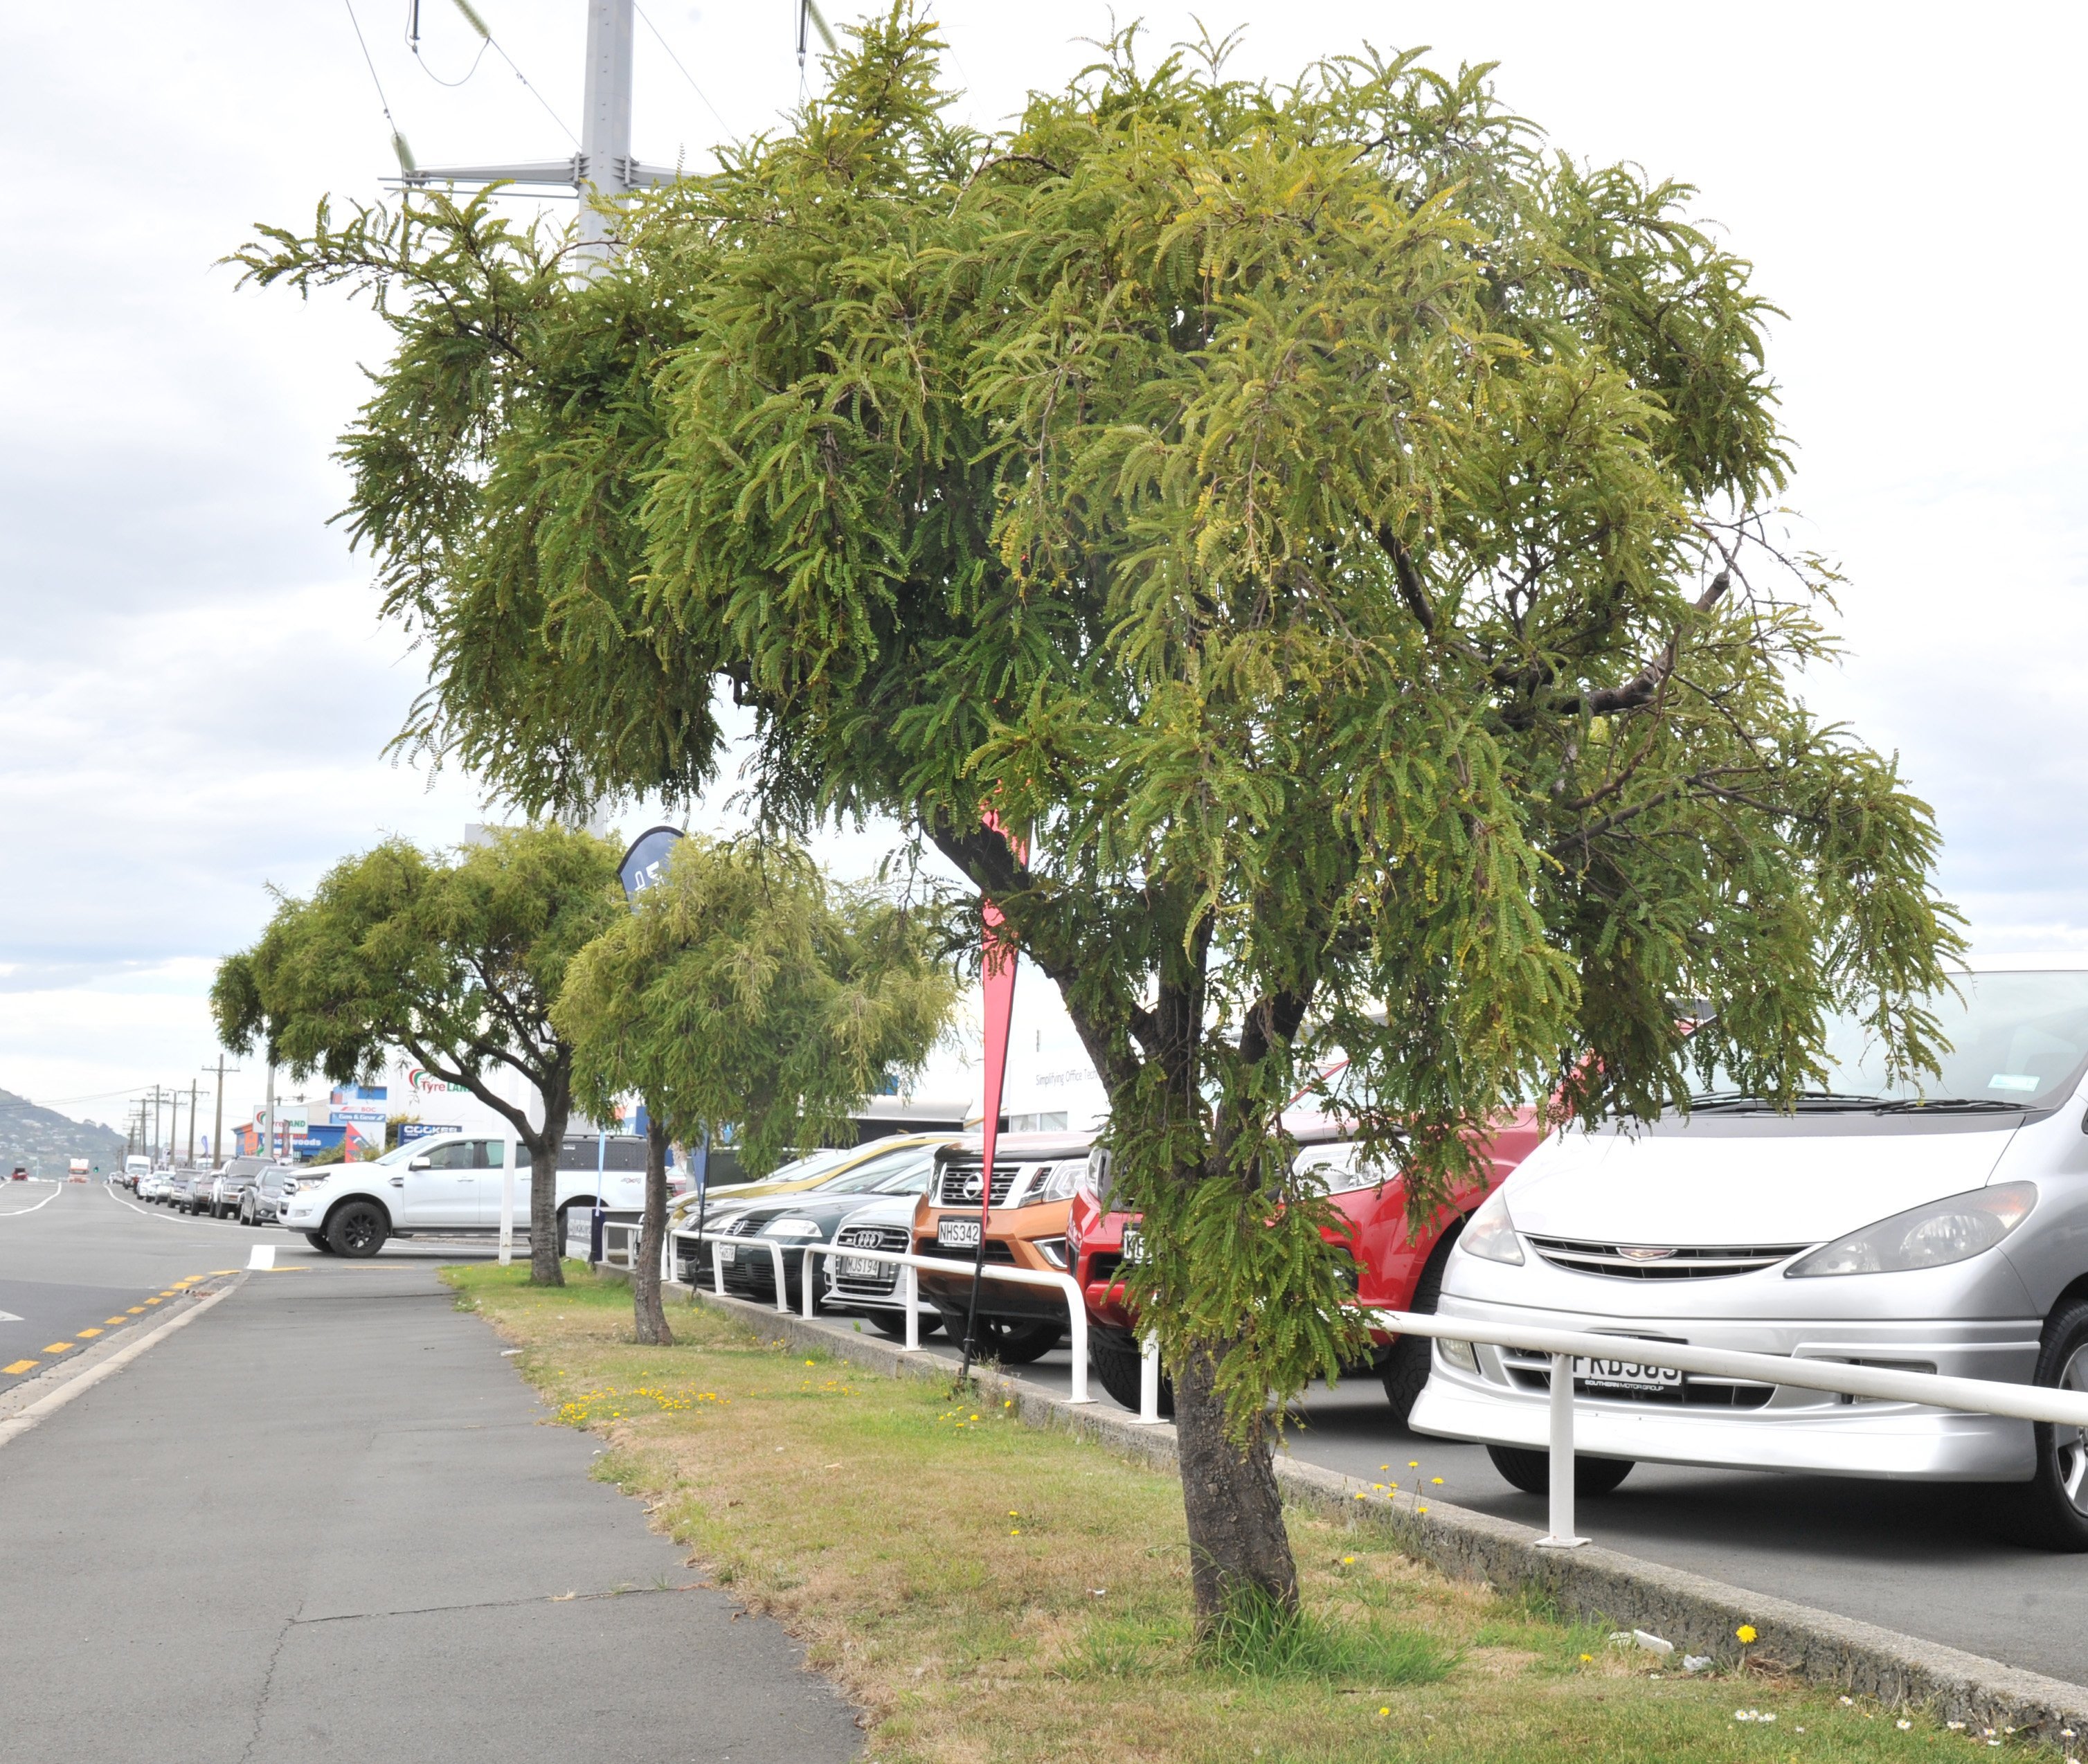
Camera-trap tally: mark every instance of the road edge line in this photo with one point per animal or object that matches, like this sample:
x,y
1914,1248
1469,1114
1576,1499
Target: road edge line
x,y
24,1420
1697,1614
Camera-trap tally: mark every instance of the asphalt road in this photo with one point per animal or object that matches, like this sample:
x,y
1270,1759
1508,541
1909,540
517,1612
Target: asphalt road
x,y
1910,1556
321,1521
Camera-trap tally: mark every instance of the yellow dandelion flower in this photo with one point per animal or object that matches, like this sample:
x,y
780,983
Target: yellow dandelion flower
x,y
1436,1480
1746,1633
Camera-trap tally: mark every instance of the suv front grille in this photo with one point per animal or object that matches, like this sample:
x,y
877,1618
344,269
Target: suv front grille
x,y
951,1185
1645,1261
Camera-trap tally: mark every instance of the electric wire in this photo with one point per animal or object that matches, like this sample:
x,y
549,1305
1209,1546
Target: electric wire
x,y
683,71
398,139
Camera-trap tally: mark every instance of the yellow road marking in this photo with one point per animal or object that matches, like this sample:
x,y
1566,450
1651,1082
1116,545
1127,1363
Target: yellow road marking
x,y
20,1365
113,1319
55,1347
137,1310
216,1272
149,1301
85,1334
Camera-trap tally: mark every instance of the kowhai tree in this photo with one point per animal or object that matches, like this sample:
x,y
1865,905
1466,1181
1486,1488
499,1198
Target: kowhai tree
x,y
1330,528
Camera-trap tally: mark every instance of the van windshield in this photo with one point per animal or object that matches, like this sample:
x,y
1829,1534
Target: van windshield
x,y
2015,1041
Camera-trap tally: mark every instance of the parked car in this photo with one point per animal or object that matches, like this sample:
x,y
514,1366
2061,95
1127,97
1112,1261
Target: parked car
x,y
261,1201
1397,1268
814,1169
1939,1227
874,1290
1033,1178
182,1194
136,1168
229,1185
813,1216
450,1183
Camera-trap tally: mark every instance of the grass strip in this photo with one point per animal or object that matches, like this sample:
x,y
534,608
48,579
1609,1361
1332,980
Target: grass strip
x,y
988,1592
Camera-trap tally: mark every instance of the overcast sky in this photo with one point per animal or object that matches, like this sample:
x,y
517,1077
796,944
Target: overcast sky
x,y
194,693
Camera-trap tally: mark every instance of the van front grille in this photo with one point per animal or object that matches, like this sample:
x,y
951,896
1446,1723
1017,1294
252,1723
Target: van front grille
x,y
1661,1261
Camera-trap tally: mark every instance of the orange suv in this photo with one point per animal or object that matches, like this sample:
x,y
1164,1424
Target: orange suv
x,y
1033,1177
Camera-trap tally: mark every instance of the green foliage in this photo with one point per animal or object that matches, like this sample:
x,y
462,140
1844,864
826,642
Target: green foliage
x,y
1256,1636
457,962
1331,529
747,991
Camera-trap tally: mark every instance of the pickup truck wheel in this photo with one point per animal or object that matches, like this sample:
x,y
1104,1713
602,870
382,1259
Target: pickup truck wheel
x,y
1117,1369
1531,1471
1001,1339
2050,1512
358,1229
317,1239
1407,1369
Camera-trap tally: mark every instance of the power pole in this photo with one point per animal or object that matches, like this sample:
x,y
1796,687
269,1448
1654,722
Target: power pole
x,y
192,1107
217,1113
603,167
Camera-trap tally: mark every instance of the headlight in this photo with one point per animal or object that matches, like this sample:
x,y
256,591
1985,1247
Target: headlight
x,y
792,1228
1954,1229
1491,1233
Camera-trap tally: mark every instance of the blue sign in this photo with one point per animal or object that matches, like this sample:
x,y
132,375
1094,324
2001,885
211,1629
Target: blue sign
x,y
644,865
422,1129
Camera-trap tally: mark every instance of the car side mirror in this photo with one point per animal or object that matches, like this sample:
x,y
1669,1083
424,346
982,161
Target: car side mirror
x,y
420,1163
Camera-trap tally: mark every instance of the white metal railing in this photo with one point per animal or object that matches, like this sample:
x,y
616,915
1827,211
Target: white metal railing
x,y
1076,1304
1934,1390
719,1244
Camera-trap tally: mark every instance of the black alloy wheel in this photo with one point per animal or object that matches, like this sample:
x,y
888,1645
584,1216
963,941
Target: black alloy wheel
x,y
356,1230
2050,1512
1406,1370
1117,1369
1531,1471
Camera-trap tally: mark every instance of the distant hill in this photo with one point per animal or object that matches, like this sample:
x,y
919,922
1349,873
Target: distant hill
x,y
46,1140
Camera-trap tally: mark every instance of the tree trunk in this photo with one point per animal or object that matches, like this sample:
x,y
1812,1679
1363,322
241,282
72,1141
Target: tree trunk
x,y
1236,1537
544,1248
650,1316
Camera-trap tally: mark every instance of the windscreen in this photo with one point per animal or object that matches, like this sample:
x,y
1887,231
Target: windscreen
x,y
874,1174
2014,1041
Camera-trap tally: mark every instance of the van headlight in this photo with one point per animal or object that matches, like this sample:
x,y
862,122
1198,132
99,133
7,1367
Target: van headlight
x,y
1490,1235
1954,1229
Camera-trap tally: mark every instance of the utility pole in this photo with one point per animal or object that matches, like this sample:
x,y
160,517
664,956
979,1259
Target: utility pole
x,y
192,1108
217,1113
268,1113
603,167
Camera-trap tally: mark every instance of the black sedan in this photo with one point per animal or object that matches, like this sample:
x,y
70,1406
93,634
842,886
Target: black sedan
x,y
792,1221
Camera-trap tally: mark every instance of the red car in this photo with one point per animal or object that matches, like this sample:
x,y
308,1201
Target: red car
x,y
1394,1271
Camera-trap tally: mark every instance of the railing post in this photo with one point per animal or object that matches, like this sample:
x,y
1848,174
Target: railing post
x,y
910,1290
806,1277
718,1268
1148,1380
1077,1319
1562,1536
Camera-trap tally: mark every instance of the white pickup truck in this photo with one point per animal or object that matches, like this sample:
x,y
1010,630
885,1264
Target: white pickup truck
x,y
448,1185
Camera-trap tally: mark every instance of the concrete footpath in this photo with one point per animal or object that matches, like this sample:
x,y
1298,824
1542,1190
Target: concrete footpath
x,y
324,1523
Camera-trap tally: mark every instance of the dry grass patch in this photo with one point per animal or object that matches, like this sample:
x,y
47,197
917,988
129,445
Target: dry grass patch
x,y
988,1592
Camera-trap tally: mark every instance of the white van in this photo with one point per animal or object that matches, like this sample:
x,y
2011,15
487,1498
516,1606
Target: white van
x,y
136,1166
449,1184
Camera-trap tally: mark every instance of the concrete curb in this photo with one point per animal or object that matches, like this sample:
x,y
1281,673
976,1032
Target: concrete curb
x,y
1698,1614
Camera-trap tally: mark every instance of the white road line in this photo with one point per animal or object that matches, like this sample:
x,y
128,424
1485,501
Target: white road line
x,y
16,1425
212,1226
16,1213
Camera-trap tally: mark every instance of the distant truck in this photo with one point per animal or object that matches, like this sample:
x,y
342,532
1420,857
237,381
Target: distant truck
x,y
80,1169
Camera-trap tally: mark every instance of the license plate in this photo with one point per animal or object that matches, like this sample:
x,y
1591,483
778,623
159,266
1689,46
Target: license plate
x,y
1134,1242
862,1267
1627,1372
728,1254
956,1234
